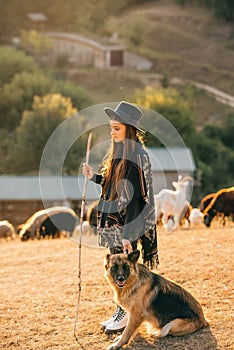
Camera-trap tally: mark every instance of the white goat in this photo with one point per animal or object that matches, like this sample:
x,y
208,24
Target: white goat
x,y
196,216
87,230
169,204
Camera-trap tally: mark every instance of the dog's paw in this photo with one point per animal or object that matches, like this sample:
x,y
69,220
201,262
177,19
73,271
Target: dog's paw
x,y
117,338
116,345
113,347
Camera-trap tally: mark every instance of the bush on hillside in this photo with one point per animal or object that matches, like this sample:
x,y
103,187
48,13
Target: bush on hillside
x,y
13,61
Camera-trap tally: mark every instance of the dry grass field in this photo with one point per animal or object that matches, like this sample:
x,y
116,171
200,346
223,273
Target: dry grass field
x,y
39,287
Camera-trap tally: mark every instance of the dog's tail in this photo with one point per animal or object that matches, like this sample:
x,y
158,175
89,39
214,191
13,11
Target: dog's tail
x,y
180,326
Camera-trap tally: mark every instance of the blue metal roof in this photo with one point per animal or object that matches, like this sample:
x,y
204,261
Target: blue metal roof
x,y
46,187
72,187
171,159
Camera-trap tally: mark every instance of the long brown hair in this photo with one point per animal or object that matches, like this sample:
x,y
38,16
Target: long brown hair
x,y
116,158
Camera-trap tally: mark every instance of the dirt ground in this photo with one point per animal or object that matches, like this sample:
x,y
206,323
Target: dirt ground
x,y
39,288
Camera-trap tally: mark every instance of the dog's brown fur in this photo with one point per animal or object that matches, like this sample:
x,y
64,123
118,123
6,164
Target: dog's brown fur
x,y
148,297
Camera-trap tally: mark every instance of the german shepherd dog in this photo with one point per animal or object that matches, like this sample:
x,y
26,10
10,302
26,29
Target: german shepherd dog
x,y
149,297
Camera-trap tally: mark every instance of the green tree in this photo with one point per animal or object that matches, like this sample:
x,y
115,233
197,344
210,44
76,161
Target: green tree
x,y
79,95
212,147
13,61
7,145
214,160
221,8
224,8
228,131
169,104
36,126
18,95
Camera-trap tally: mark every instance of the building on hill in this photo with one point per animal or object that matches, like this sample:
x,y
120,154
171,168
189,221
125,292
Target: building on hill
x,y
37,20
84,51
101,53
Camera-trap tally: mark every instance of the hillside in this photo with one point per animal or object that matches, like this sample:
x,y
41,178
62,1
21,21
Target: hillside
x,y
187,42
184,42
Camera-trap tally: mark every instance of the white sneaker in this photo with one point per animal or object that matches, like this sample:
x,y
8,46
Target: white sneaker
x,y
112,318
119,323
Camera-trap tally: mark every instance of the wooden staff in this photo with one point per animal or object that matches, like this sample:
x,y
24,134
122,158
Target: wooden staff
x,y
80,233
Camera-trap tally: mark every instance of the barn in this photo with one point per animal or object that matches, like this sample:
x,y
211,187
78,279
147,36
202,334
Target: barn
x,y
84,51
169,163
21,196
95,51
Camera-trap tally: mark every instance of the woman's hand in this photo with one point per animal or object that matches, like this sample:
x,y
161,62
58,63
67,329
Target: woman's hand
x,y
127,247
88,171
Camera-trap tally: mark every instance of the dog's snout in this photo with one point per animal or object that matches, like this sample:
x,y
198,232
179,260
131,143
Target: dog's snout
x,y
120,278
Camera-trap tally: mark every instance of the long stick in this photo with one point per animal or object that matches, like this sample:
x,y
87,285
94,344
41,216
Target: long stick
x,y
80,234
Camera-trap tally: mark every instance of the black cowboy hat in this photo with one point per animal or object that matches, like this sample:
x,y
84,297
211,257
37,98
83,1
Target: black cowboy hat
x,y
125,113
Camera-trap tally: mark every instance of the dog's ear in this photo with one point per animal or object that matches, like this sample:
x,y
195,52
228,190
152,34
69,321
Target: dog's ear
x,y
133,257
107,260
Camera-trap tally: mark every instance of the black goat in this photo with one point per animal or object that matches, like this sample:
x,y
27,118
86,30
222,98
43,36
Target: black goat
x,y
222,202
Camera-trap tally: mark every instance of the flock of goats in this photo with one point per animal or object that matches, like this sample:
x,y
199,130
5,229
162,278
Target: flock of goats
x,y
172,210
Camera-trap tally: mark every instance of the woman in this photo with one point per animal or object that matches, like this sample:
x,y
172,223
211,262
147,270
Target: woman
x,y
126,212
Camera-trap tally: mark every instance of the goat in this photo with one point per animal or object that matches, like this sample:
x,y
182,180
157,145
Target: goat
x,y
204,204
222,202
87,230
7,230
48,222
206,201
196,216
170,204
185,214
